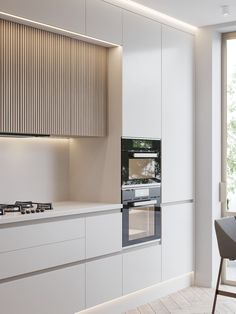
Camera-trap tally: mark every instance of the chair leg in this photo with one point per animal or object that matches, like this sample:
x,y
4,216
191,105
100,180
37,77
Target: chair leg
x,y
217,286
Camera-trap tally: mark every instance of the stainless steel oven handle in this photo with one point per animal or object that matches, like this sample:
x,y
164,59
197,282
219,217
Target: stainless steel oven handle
x,y
145,155
144,203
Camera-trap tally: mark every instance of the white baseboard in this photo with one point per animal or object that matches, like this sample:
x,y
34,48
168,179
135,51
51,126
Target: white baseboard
x,y
132,300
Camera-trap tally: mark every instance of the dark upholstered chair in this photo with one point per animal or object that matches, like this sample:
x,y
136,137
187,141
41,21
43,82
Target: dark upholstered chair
x,y
226,238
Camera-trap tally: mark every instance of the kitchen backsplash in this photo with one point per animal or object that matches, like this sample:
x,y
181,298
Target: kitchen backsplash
x,y
34,169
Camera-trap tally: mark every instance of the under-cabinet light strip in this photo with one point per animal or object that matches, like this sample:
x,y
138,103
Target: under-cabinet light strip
x,y
149,12
58,29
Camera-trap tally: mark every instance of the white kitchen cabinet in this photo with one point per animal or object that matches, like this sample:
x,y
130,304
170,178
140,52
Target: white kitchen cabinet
x,y
103,234
39,233
32,259
177,115
141,77
104,21
68,15
177,240
141,268
103,280
59,291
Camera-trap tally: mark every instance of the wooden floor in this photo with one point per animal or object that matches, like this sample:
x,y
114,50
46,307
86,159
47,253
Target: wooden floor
x,y
193,300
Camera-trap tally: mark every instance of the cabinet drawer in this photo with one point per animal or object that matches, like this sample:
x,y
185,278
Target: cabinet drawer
x,y
103,280
37,258
103,234
35,234
60,291
141,268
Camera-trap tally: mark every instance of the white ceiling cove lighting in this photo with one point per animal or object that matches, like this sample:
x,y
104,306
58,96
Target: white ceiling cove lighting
x,y
225,10
56,29
151,13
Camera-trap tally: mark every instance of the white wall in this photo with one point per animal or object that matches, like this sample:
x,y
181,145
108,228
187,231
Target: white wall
x,y
208,152
34,169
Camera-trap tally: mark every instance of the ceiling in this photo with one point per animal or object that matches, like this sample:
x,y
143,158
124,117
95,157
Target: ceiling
x,y
195,12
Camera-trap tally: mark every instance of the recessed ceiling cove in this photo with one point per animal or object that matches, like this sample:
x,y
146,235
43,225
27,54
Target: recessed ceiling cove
x,y
195,12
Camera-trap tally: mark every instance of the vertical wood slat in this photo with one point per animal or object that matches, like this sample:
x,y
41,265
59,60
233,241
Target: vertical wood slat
x,y
88,89
51,84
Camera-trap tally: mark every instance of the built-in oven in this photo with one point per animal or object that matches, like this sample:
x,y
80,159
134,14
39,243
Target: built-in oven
x,y
141,162
141,215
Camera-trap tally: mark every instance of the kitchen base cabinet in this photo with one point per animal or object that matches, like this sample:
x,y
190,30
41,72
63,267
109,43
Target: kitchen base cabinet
x,y
141,268
177,240
103,234
103,280
60,291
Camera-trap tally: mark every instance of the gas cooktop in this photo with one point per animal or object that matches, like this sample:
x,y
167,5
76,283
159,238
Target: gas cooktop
x,y
27,207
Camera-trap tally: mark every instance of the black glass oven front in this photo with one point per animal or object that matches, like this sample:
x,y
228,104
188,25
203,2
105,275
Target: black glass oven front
x,y
141,161
141,215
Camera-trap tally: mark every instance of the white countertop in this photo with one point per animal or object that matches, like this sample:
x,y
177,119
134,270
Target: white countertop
x,y
60,209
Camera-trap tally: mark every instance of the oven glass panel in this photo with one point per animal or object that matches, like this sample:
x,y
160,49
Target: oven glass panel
x,y
141,168
141,222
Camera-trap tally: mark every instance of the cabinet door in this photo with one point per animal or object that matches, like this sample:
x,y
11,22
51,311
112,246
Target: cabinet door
x,y
103,234
177,240
141,77
177,115
104,21
88,89
60,291
103,280
68,15
141,268
35,85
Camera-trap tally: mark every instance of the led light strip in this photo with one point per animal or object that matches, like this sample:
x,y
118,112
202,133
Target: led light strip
x,y
149,12
58,29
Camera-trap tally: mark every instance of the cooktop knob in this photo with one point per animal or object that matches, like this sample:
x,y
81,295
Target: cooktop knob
x,y
27,211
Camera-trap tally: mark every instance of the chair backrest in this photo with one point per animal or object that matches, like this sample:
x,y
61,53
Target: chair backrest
x,y
226,237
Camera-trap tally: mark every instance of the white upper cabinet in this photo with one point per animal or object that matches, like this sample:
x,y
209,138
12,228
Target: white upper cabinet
x,y
141,77
104,21
177,115
68,15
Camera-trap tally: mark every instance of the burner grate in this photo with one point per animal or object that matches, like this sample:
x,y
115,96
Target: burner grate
x,y
25,207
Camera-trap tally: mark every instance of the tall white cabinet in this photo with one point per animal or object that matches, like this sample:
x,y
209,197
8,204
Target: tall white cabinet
x,y
141,77
177,153
177,115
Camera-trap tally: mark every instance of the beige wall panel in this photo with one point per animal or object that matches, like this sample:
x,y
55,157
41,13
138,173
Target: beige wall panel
x,y
51,84
35,80
88,89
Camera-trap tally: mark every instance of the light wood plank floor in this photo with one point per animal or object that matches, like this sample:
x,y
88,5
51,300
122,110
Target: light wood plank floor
x,y
193,300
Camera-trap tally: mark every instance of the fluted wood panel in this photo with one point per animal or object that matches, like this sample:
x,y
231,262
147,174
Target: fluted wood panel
x,y
50,84
88,89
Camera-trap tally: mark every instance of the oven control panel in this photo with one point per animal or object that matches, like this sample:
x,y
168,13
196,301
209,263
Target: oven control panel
x,y
141,194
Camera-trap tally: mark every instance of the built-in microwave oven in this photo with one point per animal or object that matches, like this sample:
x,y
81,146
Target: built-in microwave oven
x,y
141,161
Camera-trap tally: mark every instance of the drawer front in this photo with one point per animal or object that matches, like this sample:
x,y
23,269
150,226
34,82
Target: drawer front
x,y
103,234
103,280
61,291
35,234
141,268
37,258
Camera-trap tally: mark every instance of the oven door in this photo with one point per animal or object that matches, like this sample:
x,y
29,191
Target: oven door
x,y
141,222
140,168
